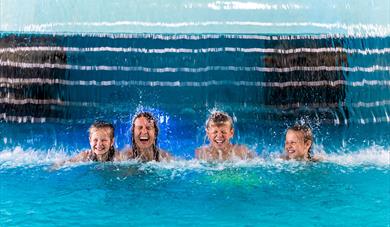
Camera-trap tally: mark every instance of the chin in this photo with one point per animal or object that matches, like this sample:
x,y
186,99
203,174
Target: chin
x,y
100,152
142,146
219,146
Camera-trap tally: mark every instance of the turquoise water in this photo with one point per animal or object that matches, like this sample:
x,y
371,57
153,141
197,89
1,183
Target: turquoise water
x,y
266,193
270,64
54,86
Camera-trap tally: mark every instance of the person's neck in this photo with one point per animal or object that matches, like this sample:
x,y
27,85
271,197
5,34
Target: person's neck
x,y
147,153
102,157
303,158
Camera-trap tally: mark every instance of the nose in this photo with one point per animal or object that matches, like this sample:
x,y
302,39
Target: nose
x,y
99,143
144,131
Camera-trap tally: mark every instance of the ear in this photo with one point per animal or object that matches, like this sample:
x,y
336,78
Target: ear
x,y
232,131
308,144
112,142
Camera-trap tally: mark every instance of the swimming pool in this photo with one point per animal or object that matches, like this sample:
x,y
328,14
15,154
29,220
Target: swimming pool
x,y
57,76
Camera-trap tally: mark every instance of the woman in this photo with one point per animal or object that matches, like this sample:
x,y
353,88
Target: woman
x,y
144,134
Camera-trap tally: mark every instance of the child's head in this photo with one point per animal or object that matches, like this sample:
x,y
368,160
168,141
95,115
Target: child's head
x,y
299,139
219,129
101,137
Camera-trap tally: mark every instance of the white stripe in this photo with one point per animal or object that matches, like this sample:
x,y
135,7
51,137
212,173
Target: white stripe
x,y
31,119
352,29
371,104
335,105
373,68
44,102
236,5
195,51
10,82
201,36
374,119
92,104
22,119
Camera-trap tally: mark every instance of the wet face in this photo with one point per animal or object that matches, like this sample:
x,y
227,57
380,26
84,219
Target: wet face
x,y
295,147
220,135
144,133
100,140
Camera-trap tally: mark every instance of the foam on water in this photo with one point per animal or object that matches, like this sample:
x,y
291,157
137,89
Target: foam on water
x,y
19,157
374,156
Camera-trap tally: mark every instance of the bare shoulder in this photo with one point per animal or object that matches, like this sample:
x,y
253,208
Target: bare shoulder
x,y
243,151
201,151
165,155
81,157
284,157
125,154
316,158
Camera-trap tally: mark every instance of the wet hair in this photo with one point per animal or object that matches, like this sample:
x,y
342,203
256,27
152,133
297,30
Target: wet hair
x,y
103,125
219,118
307,134
156,150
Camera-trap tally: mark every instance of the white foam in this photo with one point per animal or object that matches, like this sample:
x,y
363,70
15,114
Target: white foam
x,y
19,157
374,156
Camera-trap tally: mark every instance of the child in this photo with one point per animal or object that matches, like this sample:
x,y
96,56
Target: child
x,y
101,140
219,130
299,139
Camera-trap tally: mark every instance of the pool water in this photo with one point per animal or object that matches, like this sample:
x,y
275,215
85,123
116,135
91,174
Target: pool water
x,y
263,192
269,65
55,87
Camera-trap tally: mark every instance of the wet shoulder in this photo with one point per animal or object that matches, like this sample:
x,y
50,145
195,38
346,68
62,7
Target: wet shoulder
x,y
201,152
243,151
125,154
83,156
165,155
316,159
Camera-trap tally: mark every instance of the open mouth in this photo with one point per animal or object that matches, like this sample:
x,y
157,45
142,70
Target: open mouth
x,y
100,150
219,141
144,139
290,151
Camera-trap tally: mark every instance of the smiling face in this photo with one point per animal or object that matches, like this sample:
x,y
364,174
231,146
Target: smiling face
x,y
144,133
295,146
220,134
101,140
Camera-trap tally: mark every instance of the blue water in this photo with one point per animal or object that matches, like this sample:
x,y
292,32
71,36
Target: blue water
x,y
266,193
270,64
59,84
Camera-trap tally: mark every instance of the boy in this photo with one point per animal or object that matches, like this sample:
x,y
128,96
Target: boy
x,y
219,130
